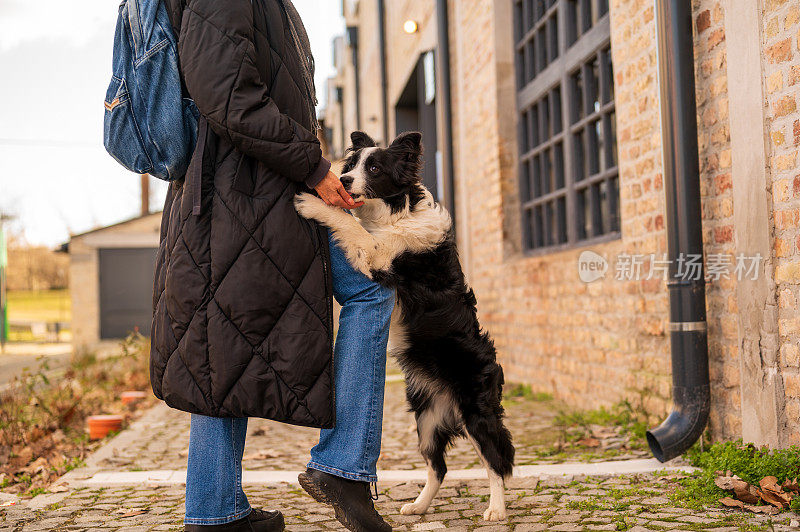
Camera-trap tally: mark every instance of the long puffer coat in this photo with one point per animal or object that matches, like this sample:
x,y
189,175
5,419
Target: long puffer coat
x,y
243,317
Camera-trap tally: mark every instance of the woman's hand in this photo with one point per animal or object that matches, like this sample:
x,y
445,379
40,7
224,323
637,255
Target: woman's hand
x,y
332,192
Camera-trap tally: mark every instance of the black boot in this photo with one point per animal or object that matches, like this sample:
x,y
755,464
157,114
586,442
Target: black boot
x,y
256,521
351,500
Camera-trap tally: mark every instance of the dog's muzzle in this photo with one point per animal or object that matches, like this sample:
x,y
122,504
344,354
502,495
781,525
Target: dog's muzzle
x,y
347,181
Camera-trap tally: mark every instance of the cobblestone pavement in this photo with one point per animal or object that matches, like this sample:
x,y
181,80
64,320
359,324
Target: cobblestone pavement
x,y
158,442
635,503
275,446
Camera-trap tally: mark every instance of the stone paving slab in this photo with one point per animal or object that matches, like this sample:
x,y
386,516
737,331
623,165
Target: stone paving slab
x,y
178,476
634,503
277,446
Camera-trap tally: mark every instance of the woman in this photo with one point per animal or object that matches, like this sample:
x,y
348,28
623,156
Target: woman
x,y
243,316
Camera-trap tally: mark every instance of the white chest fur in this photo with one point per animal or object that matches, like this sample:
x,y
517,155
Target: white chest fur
x,y
417,231
376,236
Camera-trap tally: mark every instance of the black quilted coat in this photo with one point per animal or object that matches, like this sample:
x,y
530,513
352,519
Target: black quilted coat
x,y
242,323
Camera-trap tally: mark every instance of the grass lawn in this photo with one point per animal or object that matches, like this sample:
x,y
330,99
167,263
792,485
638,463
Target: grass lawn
x,y
35,305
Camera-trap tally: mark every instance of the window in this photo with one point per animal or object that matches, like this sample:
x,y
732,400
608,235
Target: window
x,y
569,181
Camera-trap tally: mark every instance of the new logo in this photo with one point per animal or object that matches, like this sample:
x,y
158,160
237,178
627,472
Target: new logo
x,y
591,266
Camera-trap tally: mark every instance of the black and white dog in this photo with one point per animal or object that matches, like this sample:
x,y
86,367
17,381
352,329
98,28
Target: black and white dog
x,y
403,239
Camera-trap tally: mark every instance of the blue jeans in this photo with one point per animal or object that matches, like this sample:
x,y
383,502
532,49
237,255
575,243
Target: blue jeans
x,y
351,448
214,492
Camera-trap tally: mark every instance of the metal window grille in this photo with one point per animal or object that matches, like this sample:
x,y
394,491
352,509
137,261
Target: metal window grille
x,y
569,181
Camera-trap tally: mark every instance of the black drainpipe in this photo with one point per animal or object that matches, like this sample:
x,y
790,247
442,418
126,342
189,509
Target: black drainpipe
x,y
352,40
687,298
384,82
443,61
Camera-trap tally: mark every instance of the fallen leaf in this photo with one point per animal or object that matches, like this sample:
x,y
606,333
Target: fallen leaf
x,y
36,434
7,503
724,483
589,442
613,443
769,483
25,455
262,454
772,493
731,503
745,492
38,465
599,431
131,514
778,500
132,510
790,485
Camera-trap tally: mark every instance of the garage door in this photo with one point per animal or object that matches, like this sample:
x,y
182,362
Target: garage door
x,y
126,291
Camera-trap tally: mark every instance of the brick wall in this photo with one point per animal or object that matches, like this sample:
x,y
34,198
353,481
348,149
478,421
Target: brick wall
x,y
715,189
781,34
590,345
596,344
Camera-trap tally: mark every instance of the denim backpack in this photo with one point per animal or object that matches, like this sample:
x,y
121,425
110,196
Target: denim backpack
x,y
149,128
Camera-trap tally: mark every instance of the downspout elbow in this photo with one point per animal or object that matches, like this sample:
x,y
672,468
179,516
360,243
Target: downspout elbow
x,y
683,426
691,393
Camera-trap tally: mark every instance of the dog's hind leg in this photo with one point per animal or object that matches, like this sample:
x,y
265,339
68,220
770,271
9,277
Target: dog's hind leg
x,y
492,441
434,437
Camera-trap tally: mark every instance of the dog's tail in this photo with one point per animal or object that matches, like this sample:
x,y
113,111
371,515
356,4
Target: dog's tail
x,y
507,451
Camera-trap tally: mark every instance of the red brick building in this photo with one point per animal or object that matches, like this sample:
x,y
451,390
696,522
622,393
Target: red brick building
x,y
557,149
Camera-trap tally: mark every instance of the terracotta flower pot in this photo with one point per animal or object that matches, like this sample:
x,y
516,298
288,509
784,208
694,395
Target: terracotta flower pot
x,y
100,426
132,397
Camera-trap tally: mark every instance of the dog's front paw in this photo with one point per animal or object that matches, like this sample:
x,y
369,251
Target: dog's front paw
x,y
413,508
309,206
494,514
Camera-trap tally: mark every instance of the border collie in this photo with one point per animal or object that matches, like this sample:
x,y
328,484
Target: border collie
x,y
403,239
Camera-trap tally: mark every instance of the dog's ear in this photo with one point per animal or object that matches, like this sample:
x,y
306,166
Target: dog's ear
x,y
407,148
361,140
409,145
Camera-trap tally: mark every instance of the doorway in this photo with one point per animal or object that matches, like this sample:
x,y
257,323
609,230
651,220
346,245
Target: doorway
x,y
415,110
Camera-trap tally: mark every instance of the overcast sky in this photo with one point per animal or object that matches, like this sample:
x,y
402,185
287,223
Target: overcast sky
x,y
55,64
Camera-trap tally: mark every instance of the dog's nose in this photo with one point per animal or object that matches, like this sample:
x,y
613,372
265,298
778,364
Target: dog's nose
x,y
347,181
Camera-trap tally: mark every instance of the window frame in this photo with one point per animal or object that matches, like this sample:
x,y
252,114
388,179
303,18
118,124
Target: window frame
x,y
578,45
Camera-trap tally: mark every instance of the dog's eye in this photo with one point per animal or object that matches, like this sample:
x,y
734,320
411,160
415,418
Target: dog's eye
x,y
373,169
